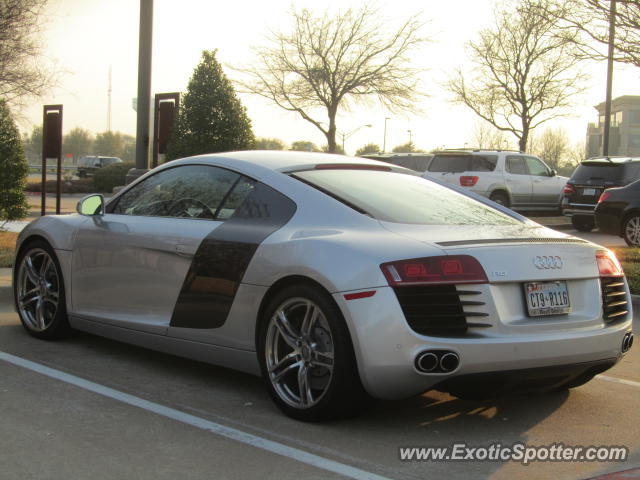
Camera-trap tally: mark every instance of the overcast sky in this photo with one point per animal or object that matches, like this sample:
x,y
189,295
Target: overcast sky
x,y
86,37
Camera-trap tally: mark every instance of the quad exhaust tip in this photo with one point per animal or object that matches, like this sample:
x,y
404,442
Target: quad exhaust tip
x,y
437,361
627,342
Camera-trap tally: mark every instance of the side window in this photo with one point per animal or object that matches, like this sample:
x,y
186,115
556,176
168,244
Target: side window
x,y
243,187
536,167
483,163
450,163
516,166
190,191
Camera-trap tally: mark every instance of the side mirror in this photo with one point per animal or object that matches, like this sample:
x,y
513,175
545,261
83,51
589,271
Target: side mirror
x,y
91,205
552,172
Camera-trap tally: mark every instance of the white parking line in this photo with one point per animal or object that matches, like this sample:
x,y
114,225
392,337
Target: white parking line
x,y
216,428
618,380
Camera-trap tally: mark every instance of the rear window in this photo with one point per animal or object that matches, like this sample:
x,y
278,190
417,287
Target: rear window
x,y
418,163
612,173
463,163
403,198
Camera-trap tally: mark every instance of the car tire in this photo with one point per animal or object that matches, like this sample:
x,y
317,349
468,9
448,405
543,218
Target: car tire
x,y
500,198
631,230
39,293
307,358
583,223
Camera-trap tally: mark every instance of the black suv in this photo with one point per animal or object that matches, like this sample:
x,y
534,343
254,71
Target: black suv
x,y
88,165
589,180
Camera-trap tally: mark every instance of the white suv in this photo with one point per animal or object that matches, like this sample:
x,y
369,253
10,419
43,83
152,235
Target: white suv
x,y
517,180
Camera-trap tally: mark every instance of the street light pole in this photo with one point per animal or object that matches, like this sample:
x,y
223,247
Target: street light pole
x,y
384,140
144,84
410,137
607,106
347,135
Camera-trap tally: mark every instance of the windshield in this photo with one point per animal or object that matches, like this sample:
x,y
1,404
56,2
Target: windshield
x,y
403,198
110,160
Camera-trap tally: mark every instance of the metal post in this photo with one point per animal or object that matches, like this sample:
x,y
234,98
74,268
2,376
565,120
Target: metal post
x,y
144,84
43,194
384,140
607,106
59,171
51,148
410,137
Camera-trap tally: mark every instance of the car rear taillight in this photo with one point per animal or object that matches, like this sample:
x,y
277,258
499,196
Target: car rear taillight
x,y
568,189
468,180
608,264
604,196
442,270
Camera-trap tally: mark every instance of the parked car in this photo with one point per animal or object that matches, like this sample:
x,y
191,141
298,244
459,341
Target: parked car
x,y
589,180
337,279
618,213
513,179
88,165
413,161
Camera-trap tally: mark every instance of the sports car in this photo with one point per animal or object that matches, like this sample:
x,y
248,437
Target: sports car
x,y
337,279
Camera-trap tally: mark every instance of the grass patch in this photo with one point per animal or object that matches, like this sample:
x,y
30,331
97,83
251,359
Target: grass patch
x,y
7,248
630,260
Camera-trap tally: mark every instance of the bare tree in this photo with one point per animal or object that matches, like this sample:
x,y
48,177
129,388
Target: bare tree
x,y
523,73
552,147
21,71
577,153
486,136
590,20
330,61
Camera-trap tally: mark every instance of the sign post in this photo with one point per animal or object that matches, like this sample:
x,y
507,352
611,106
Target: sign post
x,y
51,148
165,110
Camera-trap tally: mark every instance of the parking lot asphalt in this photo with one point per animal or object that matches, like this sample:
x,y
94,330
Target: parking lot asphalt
x,y
88,407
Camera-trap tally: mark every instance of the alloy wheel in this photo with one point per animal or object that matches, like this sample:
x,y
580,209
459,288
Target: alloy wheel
x,y
38,289
299,352
632,230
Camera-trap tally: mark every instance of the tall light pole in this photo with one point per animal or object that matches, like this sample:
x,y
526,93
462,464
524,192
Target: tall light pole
x,y
384,140
347,135
410,137
607,105
144,84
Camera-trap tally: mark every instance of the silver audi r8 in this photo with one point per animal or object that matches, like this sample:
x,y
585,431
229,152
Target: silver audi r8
x,y
337,279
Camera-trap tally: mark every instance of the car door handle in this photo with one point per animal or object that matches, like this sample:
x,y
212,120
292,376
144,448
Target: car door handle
x,y
185,250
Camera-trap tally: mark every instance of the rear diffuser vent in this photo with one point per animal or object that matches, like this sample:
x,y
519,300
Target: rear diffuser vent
x,y
437,310
614,299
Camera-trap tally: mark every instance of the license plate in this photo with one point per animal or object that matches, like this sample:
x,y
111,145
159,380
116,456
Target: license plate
x,y
589,191
547,298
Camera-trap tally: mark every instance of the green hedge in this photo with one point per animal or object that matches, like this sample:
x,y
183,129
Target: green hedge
x,y
105,179
82,185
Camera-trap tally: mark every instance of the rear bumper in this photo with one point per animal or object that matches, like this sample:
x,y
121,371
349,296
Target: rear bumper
x,y
386,347
609,224
570,210
527,379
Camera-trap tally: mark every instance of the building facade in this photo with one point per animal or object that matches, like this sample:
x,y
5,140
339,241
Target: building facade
x,y
624,135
